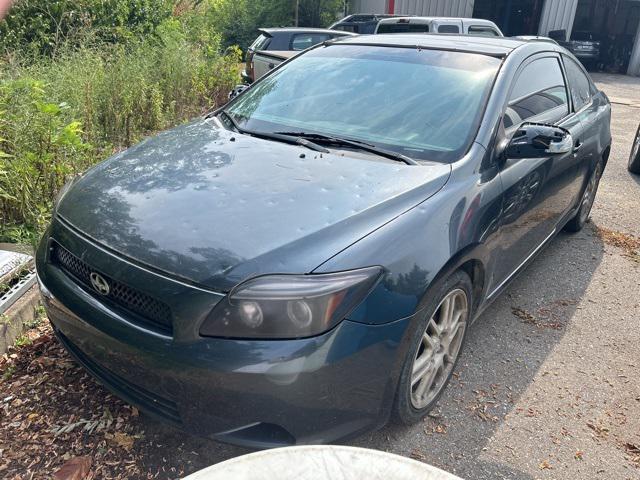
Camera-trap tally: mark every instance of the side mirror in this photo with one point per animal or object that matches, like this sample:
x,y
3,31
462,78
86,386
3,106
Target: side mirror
x,y
237,91
536,140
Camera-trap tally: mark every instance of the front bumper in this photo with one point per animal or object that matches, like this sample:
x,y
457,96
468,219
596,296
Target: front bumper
x,y
254,393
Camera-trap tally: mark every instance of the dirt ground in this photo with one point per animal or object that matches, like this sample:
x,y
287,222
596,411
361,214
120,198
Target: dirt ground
x,y
547,387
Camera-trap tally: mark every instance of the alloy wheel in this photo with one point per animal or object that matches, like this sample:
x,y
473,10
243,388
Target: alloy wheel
x,y
439,348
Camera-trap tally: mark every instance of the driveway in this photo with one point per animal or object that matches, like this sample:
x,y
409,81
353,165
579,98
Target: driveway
x,y
547,387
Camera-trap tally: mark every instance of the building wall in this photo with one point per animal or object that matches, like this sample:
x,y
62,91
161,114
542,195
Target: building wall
x,y
435,8
558,15
432,8
634,62
367,6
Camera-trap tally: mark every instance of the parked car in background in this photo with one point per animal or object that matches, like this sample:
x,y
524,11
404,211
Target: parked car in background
x,y
586,47
361,23
304,263
264,61
278,44
464,26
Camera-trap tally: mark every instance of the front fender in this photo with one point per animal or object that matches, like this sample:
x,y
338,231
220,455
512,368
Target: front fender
x,y
456,225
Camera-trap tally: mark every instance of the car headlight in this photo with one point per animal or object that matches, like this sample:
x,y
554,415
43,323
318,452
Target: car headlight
x,y
289,306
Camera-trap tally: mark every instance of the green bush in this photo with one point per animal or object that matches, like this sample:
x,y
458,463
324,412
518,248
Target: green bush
x,y
57,117
42,26
40,146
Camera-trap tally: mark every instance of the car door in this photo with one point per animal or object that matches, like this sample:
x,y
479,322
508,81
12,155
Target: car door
x,y
587,111
538,193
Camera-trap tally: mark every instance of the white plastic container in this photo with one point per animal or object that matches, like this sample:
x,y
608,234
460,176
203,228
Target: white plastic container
x,y
322,462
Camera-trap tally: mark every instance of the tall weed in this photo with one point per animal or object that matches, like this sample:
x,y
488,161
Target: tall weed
x,y
58,117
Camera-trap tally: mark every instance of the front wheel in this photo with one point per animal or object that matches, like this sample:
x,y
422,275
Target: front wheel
x,y
434,349
634,158
578,222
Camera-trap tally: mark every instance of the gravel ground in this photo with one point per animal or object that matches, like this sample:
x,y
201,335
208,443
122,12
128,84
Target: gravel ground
x,y
546,387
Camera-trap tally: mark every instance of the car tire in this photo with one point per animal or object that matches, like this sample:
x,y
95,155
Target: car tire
x,y
434,348
581,217
634,157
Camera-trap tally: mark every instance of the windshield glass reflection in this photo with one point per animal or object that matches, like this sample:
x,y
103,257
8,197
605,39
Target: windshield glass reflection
x,y
424,104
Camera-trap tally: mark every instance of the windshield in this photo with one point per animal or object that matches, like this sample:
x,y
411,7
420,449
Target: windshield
x,y
584,37
424,104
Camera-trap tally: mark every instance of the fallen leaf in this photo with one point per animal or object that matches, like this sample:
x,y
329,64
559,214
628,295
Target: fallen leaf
x,y
417,455
123,440
545,465
75,469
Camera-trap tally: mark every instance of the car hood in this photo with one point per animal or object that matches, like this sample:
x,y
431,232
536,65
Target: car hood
x,y
213,207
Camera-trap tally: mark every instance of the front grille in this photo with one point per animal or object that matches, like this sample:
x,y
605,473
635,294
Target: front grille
x,y
141,396
153,313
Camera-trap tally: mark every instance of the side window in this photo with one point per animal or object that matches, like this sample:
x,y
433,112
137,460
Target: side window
x,y
579,84
482,31
404,27
539,93
260,43
448,29
301,41
346,28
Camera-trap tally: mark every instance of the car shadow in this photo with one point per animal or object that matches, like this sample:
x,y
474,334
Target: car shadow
x,y
505,351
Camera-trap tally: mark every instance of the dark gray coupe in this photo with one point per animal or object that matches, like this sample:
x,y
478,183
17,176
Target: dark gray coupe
x,y
303,264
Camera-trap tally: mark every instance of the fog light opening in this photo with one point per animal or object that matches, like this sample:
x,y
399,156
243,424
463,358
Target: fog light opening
x,y
259,435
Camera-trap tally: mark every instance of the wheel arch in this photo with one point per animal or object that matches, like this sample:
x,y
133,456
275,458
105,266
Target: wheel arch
x,y
472,260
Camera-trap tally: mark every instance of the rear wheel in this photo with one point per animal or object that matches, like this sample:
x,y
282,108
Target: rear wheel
x,y
634,158
581,218
434,350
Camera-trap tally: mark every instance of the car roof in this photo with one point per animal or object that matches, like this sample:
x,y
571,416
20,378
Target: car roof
x,y
495,46
534,38
416,19
370,16
271,31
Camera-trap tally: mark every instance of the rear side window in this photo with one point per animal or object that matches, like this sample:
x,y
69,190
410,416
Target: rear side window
x,y
539,92
483,31
260,43
584,37
403,28
579,84
448,29
346,28
302,41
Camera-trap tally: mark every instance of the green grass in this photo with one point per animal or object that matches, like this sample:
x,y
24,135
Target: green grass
x,y
60,116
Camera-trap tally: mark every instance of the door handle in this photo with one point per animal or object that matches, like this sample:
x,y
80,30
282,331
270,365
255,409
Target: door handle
x,y
577,146
271,66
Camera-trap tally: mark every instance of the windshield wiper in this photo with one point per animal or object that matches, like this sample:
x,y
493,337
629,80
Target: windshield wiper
x,y
368,147
273,136
231,120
